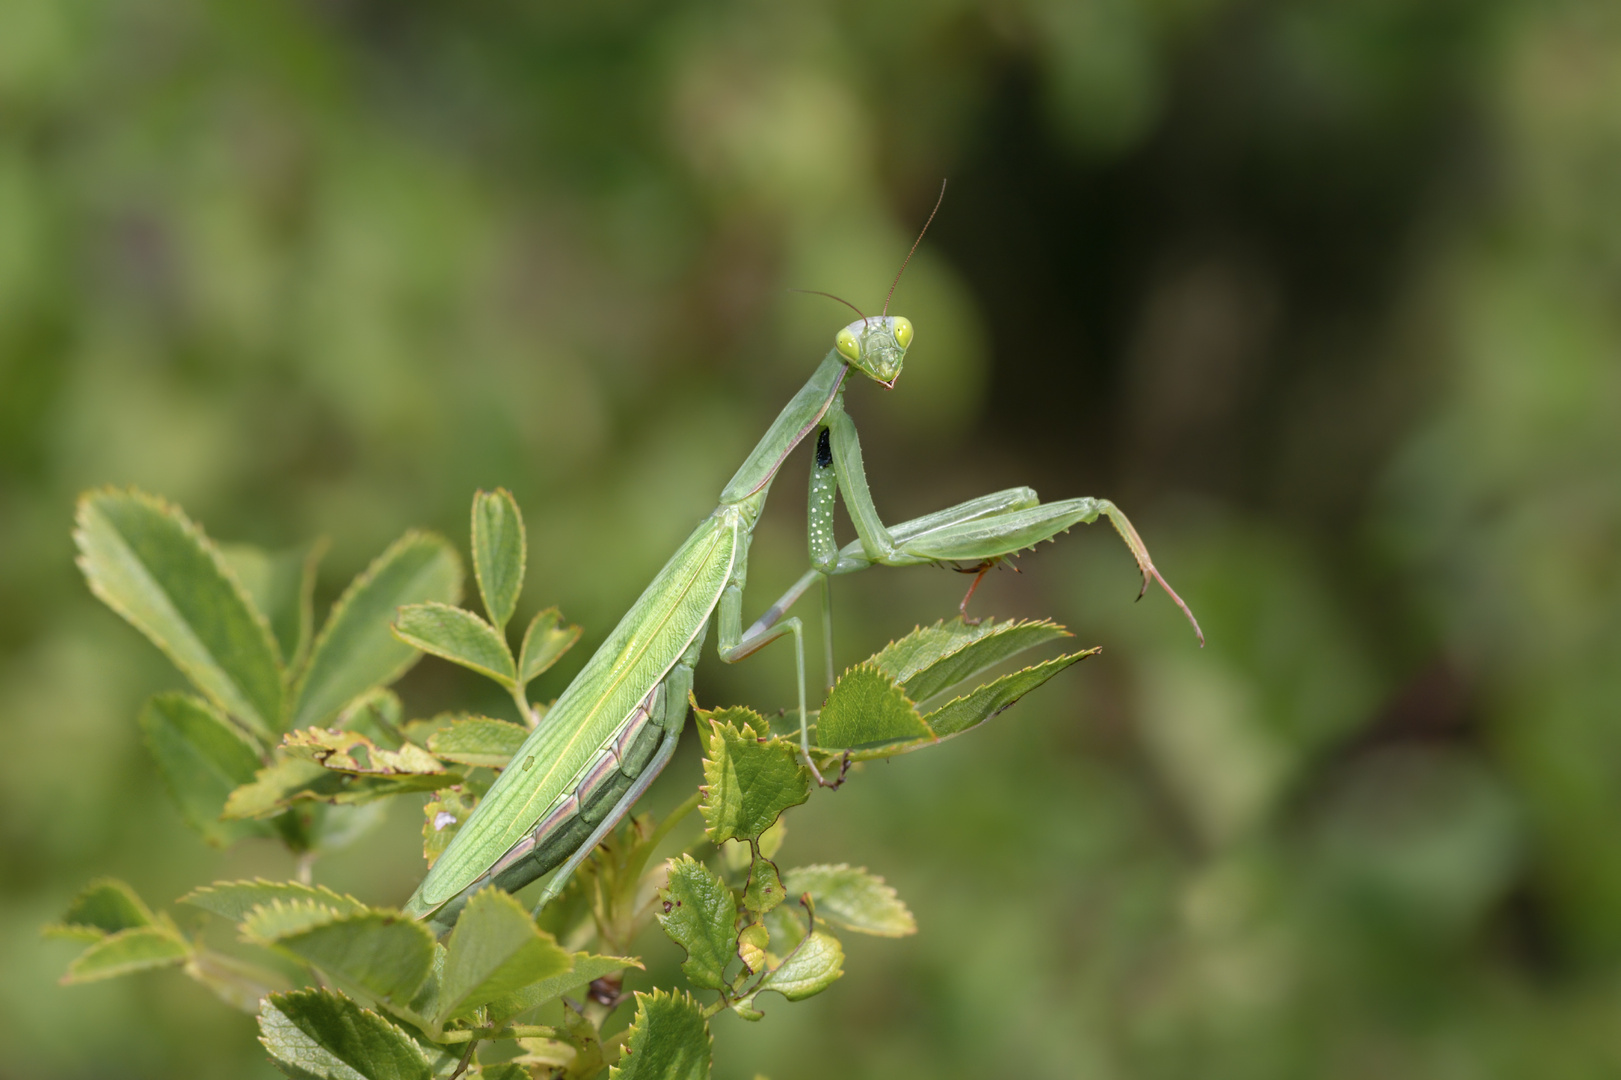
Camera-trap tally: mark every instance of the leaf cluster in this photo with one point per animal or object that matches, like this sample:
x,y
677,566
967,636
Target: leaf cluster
x,y
292,732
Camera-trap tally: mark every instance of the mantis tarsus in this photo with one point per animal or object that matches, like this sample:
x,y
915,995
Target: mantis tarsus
x,y
617,724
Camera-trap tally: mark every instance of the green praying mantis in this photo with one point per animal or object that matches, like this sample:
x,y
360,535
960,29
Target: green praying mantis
x,y
615,727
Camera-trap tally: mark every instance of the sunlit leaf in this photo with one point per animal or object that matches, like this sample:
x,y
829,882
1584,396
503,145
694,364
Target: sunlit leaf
x,y
935,658
141,948
499,552
495,949
982,703
867,708
382,952
669,1040
459,636
321,1035
546,640
355,649
812,967
851,898
750,778
699,914
147,561
234,899
290,780
353,753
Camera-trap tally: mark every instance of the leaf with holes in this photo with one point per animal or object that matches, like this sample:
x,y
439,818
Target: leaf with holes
x,y
700,915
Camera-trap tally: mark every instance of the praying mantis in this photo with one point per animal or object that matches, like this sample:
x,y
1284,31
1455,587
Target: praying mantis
x,y
616,725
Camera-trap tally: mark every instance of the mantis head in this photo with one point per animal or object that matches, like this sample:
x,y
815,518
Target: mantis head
x,y
877,346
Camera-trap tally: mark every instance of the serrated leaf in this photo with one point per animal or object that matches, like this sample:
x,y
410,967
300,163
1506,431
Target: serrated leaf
x,y
459,636
478,740
140,948
375,714
499,552
750,778
147,561
356,650
351,752
234,899
105,906
764,890
495,949
700,915
851,898
867,708
587,968
787,930
384,953
281,585
321,1035
290,780
443,817
668,1040
202,758
546,640
984,702
811,968
935,658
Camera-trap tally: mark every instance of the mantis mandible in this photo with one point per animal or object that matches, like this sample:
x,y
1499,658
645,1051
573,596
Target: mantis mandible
x,y
615,727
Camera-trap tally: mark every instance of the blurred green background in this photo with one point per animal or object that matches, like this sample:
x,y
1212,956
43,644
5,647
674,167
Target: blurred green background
x,y
1327,295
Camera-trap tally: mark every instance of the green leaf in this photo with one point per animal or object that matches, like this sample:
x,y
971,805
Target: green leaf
x,y
700,915
499,552
375,714
320,1035
282,587
443,816
808,970
478,740
507,1070
147,561
202,758
750,778
764,890
239,984
544,643
460,637
355,650
139,949
234,899
105,906
495,949
852,898
979,705
751,946
935,658
587,968
868,708
668,1040
353,753
383,953
290,780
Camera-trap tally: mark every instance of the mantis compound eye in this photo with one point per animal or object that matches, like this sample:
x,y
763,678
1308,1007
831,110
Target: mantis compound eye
x,y
902,329
847,345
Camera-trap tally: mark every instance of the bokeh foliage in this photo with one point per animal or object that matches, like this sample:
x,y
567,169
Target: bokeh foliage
x,y
1322,294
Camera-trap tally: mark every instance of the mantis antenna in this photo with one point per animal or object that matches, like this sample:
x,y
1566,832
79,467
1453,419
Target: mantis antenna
x,y
830,296
915,243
